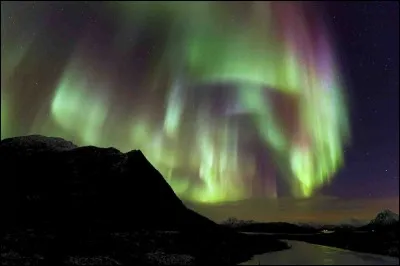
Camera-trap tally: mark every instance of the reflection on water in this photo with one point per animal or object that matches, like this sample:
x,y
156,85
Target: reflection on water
x,y
303,253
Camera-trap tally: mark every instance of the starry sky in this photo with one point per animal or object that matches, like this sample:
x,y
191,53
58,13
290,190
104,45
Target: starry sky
x,y
259,110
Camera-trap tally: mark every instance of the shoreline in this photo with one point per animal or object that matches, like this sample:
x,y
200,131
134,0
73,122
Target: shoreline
x,y
357,242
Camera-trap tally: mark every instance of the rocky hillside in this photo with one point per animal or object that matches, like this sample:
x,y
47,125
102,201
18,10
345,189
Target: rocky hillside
x,y
385,217
52,181
64,205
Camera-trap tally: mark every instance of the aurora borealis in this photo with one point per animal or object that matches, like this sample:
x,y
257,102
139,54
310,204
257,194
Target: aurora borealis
x,y
224,98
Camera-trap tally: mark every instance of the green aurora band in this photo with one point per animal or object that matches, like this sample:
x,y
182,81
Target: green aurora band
x,y
278,70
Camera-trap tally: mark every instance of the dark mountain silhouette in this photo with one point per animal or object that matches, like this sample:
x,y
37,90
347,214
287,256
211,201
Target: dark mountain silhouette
x,y
52,181
385,221
386,217
60,200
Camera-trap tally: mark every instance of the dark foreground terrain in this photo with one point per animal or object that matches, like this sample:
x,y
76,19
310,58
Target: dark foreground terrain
x,y
63,204
34,247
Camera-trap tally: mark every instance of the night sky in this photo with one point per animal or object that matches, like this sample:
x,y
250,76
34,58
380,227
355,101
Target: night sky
x,y
369,36
265,111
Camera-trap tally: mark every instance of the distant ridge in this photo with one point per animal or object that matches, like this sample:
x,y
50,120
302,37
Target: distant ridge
x,y
385,217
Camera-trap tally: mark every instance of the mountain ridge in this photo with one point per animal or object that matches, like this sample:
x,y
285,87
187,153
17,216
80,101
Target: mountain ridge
x,y
385,217
62,201
95,183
